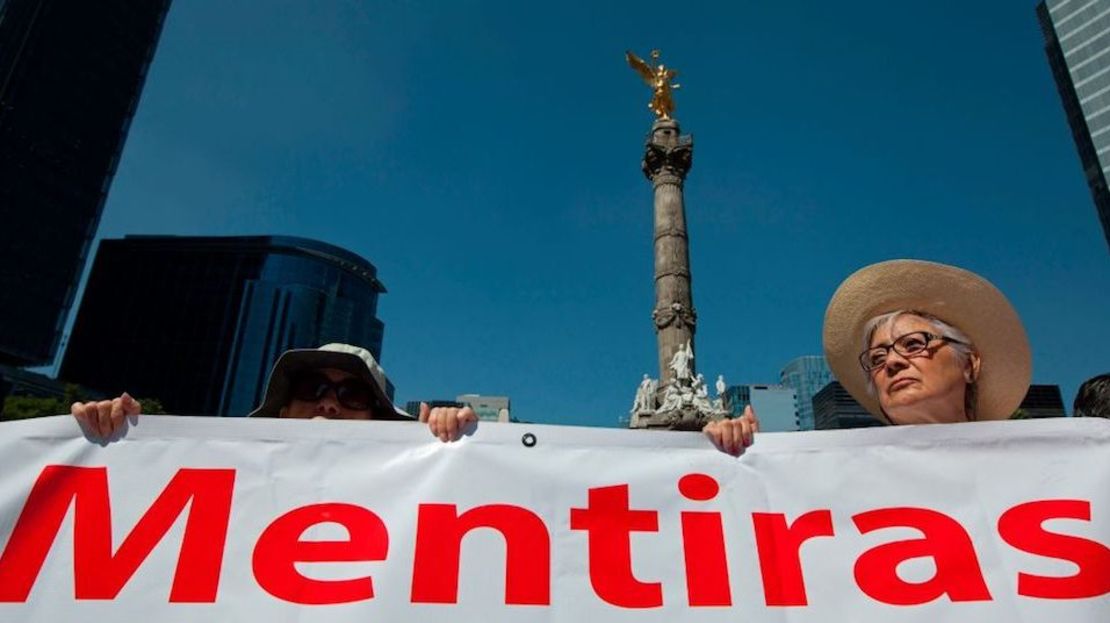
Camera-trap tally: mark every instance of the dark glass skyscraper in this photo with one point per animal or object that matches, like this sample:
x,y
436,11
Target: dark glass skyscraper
x,y
806,376
197,322
1042,401
1077,41
834,408
70,76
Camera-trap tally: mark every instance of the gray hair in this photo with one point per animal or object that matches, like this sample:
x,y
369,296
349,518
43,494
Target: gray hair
x,y
963,347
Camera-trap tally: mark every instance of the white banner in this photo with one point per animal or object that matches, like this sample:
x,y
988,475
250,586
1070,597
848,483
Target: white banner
x,y
187,519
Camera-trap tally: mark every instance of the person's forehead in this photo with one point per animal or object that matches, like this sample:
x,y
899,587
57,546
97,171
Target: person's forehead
x,y
900,326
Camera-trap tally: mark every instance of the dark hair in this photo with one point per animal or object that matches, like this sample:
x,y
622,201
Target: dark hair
x,y
1093,397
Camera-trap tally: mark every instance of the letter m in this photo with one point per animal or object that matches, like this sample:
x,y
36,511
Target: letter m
x,y
98,573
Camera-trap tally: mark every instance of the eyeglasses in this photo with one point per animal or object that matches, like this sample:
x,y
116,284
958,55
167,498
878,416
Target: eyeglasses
x,y
908,345
352,393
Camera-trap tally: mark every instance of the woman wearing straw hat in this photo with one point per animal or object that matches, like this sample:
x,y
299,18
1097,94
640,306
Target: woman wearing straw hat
x,y
918,342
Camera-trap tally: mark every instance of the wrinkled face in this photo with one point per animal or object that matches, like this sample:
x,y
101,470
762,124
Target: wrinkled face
x,y
328,405
927,387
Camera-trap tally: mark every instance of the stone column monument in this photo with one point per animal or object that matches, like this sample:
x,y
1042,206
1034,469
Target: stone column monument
x,y
667,158
679,399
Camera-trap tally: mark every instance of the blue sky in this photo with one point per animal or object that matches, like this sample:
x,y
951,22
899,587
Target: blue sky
x,y
485,157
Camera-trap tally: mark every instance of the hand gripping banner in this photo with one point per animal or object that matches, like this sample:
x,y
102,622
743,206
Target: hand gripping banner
x,y
187,519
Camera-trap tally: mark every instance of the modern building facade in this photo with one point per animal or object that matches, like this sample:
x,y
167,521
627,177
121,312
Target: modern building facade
x,y
834,408
806,376
1077,42
71,72
412,407
488,408
774,405
1042,401
197,322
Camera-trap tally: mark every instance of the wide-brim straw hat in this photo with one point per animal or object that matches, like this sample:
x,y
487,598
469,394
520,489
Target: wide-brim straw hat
x,y
957,296
353,359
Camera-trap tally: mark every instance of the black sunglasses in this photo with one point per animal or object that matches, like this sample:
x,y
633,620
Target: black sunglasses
x,y
352,393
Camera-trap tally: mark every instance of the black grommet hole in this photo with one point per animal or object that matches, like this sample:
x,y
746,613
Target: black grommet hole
x,y
528,440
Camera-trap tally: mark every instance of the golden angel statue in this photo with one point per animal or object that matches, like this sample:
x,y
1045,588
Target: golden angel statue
x,y
659,79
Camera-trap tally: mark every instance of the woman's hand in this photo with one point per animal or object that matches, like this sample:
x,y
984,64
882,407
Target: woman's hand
x,y
734,435
104,417
447,423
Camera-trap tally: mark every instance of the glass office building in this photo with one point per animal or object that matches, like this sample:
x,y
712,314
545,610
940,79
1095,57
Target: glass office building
x,y
834,408
1042,401
488,408
774,405
1077,42
806,376
197,322
70,76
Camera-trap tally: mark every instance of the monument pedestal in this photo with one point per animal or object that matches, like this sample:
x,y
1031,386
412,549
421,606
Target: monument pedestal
x,y
685,418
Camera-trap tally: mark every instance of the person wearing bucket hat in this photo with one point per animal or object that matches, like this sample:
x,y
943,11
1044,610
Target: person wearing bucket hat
x,y
335,381
918,342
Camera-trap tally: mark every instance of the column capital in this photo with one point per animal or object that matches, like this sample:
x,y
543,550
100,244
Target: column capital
x,y
667,164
